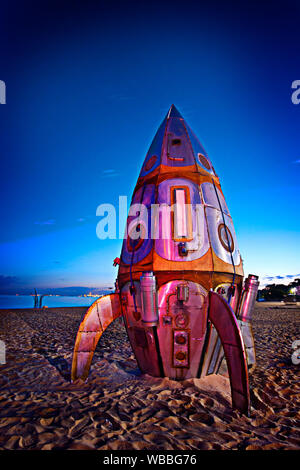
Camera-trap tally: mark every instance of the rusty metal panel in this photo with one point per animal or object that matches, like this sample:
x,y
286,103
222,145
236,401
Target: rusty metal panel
x,y
223,318
141,337
247,334
97,318
178,317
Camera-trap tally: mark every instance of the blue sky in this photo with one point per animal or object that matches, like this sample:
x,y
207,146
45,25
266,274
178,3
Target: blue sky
x,y
88,84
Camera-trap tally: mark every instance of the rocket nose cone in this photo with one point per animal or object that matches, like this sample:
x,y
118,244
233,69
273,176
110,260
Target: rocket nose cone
x,y
173,112
175,145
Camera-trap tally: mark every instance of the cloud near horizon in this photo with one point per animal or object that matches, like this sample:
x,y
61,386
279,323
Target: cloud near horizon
x,y
109,173
46,222
287,277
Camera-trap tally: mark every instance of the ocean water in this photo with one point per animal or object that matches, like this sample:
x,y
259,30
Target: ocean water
x,y
27,301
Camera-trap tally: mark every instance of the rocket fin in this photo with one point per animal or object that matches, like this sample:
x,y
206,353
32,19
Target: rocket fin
x,y
97,318
223,319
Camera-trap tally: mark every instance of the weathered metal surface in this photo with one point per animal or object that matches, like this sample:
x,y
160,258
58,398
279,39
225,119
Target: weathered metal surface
x,y
178,248
224,320
181,318
247,334
97,318
142,337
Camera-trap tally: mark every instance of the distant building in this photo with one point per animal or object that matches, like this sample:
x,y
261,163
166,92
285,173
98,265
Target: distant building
x,y
295,290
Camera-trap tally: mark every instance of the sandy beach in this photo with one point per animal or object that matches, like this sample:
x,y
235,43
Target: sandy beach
x,y
118,408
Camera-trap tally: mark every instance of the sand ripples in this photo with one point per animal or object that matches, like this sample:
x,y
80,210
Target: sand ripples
x,y
120,409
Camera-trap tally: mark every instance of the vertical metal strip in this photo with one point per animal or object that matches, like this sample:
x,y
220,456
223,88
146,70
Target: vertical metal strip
x,y
228,241
132,258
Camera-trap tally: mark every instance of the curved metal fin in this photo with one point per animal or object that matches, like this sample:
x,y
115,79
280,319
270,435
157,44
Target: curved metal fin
x,y
97,318
223,318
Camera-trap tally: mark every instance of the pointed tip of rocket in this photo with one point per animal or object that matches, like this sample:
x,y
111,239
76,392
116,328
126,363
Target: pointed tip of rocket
x,y
173,112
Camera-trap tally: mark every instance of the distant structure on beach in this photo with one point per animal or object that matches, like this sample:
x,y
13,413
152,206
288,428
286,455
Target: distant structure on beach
x,y
282,292
180,283
38,299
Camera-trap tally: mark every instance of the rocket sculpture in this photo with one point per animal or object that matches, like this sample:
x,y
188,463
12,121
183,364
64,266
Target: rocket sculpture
x,y
180,282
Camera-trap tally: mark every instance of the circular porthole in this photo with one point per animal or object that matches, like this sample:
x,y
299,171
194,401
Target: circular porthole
x,y
224,239
181,320
203,160
150,163
180,339
180,356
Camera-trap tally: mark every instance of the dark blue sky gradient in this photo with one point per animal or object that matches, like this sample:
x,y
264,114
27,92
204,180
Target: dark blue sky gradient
x,y
88,84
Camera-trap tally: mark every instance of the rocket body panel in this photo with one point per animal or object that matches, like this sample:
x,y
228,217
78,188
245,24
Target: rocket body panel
x,y
189,241
179,245
181,328
177,173
137,244
141,336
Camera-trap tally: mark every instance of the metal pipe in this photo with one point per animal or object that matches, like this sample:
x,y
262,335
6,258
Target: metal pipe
x,y
182,292
149,299
248,298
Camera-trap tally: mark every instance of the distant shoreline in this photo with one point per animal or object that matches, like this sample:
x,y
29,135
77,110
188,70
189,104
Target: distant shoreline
x,y
41,310
10,302
268,304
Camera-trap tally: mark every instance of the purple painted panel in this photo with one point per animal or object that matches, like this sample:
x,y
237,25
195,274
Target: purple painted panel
x,y
153,156
139,225
165,246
